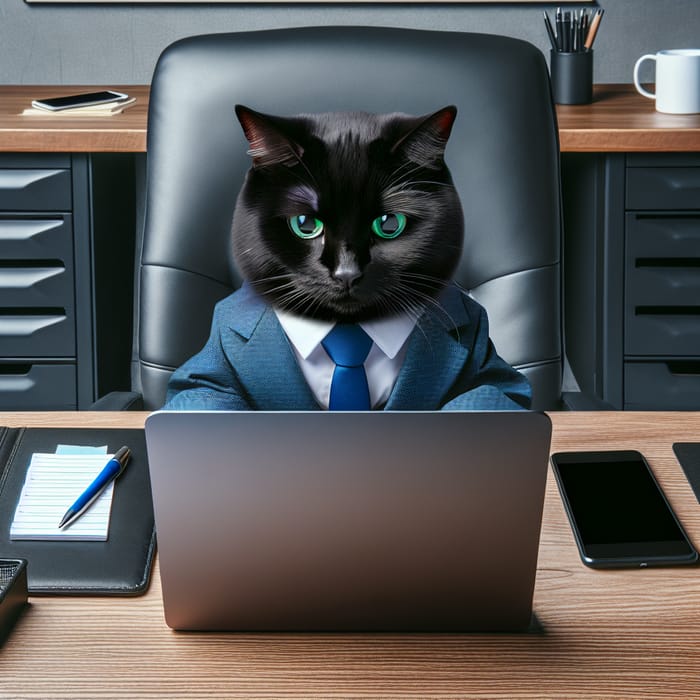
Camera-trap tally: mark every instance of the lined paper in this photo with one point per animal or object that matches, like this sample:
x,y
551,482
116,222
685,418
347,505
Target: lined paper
x,y
52,484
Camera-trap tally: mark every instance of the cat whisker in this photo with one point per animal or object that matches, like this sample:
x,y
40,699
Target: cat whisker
x,y
429,300
461,287
403,170
399,304
303,305
274,278
425,182
422,276
266,283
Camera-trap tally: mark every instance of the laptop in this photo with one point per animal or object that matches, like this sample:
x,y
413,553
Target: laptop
x,y
334,521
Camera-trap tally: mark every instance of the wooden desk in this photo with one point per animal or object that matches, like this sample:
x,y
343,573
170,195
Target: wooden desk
x,y
613,634
618,120
125,132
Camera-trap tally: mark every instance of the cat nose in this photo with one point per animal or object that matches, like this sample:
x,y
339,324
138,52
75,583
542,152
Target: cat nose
x,y
346,269
347,274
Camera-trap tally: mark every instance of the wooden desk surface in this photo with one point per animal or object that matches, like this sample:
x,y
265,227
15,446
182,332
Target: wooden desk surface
x,y
125,132
612,634
619,119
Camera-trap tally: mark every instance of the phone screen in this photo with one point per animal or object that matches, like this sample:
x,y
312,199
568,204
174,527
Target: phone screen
x,y
87,98
619,513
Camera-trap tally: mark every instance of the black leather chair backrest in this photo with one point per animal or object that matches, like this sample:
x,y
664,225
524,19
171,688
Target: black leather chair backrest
x,y
503,154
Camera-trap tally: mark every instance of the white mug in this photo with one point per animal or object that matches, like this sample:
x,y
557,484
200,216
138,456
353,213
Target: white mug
x,y
677,80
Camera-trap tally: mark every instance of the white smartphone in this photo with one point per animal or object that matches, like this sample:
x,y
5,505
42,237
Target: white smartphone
x,y
86,99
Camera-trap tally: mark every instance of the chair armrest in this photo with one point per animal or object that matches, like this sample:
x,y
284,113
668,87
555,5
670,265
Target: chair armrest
x,y
119,401
582,401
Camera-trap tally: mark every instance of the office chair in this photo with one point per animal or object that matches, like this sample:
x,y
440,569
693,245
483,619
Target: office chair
x,y
503,154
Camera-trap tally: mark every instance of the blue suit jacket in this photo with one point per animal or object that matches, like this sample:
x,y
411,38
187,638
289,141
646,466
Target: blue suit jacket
x,y
248,363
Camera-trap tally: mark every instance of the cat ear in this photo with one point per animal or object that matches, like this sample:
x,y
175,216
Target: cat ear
x,y
268,144
426,140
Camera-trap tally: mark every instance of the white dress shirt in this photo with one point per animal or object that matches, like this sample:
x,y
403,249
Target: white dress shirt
x,y
382,366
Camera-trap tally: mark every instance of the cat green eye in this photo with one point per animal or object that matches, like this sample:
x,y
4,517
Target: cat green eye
x,y
305,226
389,225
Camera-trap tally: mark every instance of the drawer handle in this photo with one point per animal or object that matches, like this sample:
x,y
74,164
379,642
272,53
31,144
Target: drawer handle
x,y
23,274
25,322
18,230
20,179
676,216
666,310
16,383
26,278
667,262
15,377
687,182
684,367
15,368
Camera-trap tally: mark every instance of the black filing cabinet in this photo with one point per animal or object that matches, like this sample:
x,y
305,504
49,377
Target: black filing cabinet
x,y
662,283
632,277
44,268
38,365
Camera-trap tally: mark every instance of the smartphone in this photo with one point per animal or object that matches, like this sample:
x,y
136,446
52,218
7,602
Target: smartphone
x,y
55,104
618,512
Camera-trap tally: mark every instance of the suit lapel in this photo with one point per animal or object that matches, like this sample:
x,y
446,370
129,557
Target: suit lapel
x,y
267,368
434,358
264,361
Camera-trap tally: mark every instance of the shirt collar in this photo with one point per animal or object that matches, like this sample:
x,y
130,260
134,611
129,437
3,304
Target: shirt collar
x,y
306,334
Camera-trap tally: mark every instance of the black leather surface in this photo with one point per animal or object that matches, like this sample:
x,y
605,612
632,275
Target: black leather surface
x,y
503,154
119,566
688,455
119,401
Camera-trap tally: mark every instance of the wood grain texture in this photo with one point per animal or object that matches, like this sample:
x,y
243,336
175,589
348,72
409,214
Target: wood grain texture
x,y
125,132
614,634
619,119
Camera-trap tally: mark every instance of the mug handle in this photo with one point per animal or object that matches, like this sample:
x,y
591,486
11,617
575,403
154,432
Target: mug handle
x,y
637,84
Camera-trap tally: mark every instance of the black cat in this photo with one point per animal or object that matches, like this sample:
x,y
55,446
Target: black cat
x,y
349,216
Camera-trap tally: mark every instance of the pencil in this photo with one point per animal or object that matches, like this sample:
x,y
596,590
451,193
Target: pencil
x,y
552,38
590,38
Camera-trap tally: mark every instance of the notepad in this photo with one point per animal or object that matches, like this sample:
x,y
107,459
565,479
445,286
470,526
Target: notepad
x,y
52,484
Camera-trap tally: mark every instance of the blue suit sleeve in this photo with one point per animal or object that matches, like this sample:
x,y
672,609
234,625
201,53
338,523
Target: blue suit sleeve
x,y
207,381
488,382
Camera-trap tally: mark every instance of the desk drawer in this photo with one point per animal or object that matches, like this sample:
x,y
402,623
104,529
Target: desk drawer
x,y
33,238
663,188
655,237
662,330
37,387
664,386
32,284
35,189
662,284
37,331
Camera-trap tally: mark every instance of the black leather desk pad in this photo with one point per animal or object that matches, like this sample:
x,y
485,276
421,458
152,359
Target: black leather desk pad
x,y
119,566
688,454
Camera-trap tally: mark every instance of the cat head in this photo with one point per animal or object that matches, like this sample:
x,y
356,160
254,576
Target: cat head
x,y
348,216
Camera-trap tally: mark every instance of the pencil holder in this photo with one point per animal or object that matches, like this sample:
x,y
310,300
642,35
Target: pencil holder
x,y
13,593
572,77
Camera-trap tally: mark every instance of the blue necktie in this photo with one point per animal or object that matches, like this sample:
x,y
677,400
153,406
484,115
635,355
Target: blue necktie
x,y
348,346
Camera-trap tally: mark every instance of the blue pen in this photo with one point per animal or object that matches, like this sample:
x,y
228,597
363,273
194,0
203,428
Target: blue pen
x,y
111,471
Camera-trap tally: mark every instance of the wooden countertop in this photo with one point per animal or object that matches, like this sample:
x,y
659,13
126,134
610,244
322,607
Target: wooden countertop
x,y
618,120
125,132
612,634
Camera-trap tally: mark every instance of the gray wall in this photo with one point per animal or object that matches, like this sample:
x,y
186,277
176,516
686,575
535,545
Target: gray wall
x,y
111,44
